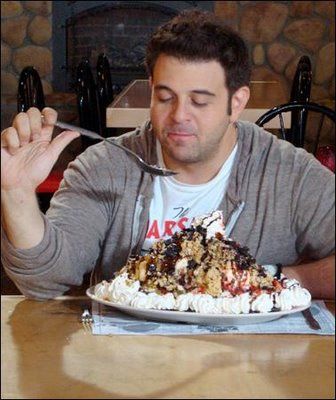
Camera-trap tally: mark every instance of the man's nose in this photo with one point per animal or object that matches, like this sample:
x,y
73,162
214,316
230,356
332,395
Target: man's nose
x,y
180,112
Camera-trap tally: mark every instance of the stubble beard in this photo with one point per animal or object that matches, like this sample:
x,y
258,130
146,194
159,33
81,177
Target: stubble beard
x,y
195,151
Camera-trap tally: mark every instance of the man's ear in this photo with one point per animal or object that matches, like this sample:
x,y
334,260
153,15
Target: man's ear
x,y
238,102
150,81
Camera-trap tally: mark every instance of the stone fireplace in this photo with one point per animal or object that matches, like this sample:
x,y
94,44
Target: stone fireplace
x,y
277,35
120,29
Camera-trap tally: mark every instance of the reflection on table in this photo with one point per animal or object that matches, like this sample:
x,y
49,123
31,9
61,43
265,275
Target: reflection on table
x,y
131,106
46,353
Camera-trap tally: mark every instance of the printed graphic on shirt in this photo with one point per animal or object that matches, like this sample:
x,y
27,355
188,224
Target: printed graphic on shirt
x,y
169,227
182,211
164,229
175,204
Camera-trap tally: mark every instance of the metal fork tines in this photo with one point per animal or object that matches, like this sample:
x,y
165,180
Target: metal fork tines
x,y
93,135
87,321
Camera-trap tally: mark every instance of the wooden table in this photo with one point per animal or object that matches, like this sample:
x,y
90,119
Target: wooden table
x,y
131,106
46,353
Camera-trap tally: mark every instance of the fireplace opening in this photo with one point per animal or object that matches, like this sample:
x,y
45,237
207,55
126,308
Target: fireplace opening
x,y
120,29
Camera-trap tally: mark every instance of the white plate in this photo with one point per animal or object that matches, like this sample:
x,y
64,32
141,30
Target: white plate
x,y
193,317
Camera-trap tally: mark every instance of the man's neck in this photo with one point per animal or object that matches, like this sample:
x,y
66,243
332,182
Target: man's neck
x,y
204,171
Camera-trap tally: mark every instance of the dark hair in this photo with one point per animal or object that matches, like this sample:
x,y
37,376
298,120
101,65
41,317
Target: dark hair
x,y
195,35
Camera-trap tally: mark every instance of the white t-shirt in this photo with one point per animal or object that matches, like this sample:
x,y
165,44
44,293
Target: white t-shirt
x,y
175,204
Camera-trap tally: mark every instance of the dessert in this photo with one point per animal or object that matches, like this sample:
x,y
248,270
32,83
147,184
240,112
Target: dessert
x,y
199,269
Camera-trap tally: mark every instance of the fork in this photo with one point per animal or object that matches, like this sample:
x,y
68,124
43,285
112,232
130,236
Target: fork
x,y
93,135
312,322
87,321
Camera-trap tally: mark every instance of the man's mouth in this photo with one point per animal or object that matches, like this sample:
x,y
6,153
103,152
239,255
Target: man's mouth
x,y
180,135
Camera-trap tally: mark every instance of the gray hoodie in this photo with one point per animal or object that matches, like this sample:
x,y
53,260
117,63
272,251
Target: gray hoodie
x,y
279,203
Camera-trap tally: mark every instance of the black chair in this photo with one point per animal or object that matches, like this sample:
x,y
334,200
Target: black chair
x,y
104,87
301,109
302,81
300,92
87,102
30,90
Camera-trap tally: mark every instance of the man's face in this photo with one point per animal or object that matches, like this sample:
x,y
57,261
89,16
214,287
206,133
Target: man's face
x,y
189,106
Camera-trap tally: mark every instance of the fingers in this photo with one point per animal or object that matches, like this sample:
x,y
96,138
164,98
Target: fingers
x,y
10,140
49,119
61,141
49,115
29,127
35,122
41,123
22,126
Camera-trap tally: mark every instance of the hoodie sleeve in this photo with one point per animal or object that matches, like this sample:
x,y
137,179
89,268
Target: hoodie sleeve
x,y
314,203
75,227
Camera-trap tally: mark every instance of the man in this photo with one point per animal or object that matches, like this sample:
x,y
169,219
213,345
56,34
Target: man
x,y
276,199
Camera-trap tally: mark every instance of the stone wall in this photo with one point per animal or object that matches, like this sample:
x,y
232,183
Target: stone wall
x,y
277,33
25,40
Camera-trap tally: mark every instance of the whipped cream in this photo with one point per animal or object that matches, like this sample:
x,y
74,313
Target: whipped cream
x,y
263,303
181,266
295,296
213,223
154,301
122,291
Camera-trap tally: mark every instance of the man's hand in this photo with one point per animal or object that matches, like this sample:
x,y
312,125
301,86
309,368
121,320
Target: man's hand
x,y
316,276
27,151
28,154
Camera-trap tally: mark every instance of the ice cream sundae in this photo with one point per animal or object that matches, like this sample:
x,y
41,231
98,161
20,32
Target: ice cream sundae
x,y
200,269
